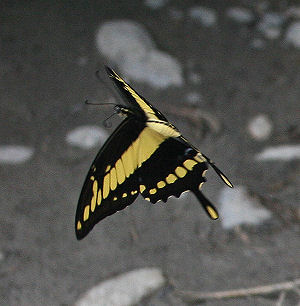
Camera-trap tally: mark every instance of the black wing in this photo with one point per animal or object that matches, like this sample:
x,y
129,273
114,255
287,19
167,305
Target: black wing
x,y
133,99
110,184
175,167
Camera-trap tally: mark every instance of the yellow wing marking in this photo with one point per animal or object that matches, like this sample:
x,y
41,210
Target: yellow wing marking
x,y
106,186
141,102
171,178
120,171
153,191
164,128
180,172
200,158
124,195
78,225
142,188
113,179
212,212
99,197
225,179
107,168
86,213
94,198
161,184
189,164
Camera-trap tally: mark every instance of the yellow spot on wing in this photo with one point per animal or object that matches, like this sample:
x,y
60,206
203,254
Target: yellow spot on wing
x,y
180,172
107,168
86,213
106,186
163,128
200,158
171,178
124,195
189,164
133,192
128,161
115,199
113,179
226,181
161,184
142,188
99,197
92,177
94,198
153,191
120,171
212,212
78,225
141,102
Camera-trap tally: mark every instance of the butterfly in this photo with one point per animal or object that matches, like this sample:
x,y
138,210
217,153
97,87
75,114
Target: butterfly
x,y
146,155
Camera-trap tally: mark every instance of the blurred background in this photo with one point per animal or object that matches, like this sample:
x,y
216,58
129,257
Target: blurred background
x,y
225,73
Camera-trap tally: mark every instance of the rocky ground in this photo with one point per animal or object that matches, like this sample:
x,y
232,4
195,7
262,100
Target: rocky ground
x,y
225,73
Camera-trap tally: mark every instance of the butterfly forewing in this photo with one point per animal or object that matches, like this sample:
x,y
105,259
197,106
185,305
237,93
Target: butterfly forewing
x,y
110,184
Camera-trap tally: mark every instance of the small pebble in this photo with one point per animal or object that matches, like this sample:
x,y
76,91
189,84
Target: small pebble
x,y
237,208
155,4
293,34
124,290
281,153
270,25
204,15
260,127
15,154
86,137
239,14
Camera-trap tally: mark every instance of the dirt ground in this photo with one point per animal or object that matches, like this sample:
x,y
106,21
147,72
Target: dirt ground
x,y
47,64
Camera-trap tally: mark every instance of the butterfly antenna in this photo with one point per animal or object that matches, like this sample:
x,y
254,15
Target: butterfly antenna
x,y
107,124
110,73
96,103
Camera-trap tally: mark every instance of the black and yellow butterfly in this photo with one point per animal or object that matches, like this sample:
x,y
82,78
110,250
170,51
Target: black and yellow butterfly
x,y
145,155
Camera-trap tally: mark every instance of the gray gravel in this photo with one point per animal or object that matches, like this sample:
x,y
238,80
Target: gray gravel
x,y
48,59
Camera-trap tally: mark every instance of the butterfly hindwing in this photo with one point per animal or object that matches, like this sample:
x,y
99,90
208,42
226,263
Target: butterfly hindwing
x,y
175,167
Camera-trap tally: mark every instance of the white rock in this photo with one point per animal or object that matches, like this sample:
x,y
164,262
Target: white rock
x,y
260,127
86,137
124,290
270,25
130,47
293,34
282,153
206,16
155,4
15,154
119,38
239,14
193,98
158,69
237,207
258,43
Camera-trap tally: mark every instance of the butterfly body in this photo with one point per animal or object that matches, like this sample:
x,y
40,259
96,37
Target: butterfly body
x,y
145,155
